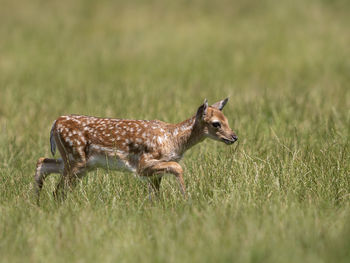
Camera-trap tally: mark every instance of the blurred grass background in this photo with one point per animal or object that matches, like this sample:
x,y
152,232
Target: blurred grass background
x,y
280,195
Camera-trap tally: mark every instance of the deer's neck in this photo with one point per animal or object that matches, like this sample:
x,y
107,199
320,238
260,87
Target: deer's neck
x,y
187,134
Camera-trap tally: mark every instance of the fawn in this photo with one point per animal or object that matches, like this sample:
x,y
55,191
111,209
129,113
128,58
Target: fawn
x,y
149,149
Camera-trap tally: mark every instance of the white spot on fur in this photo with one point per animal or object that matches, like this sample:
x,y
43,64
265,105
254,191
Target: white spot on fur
x,y
160,140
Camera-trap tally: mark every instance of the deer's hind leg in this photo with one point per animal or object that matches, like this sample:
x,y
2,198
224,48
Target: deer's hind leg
x,y
75,162
45,167
74,168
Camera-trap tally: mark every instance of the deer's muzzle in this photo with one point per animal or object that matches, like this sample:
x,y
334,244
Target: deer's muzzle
x,y
231,140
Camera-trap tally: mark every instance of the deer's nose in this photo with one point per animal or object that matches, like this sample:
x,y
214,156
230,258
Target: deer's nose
x,y
234,137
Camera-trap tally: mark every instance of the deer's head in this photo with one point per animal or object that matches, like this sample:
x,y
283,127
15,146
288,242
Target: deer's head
x,y
213,122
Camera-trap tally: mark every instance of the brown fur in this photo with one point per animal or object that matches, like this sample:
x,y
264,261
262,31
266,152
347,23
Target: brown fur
x,y
147,148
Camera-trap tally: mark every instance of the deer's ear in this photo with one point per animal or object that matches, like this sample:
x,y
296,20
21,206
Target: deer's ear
x,y
202,110
220,104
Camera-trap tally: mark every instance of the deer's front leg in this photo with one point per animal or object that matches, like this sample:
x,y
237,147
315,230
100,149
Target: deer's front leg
x,y
159,168
153,186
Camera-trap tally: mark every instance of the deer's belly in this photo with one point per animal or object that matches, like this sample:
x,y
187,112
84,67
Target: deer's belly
x,y
110,162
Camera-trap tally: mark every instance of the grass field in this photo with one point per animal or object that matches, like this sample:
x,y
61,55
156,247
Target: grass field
x,y
282,194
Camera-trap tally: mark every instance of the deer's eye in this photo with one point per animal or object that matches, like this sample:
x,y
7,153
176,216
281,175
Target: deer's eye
x,y
216,124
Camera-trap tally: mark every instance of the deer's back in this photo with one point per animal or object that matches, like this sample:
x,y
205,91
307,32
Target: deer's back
x,y
131,137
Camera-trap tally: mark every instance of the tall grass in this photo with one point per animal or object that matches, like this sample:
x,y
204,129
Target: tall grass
x,y
280,195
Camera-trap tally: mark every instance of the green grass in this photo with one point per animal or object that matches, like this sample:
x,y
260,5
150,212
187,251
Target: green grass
x,y
280,195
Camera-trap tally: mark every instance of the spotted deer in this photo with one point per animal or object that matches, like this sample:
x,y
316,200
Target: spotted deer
x,y
148,149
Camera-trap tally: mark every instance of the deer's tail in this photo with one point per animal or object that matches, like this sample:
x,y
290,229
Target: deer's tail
x,y
52,139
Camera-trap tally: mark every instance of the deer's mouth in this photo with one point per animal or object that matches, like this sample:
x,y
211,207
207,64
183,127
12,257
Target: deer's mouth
x,y
231,139
228,142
